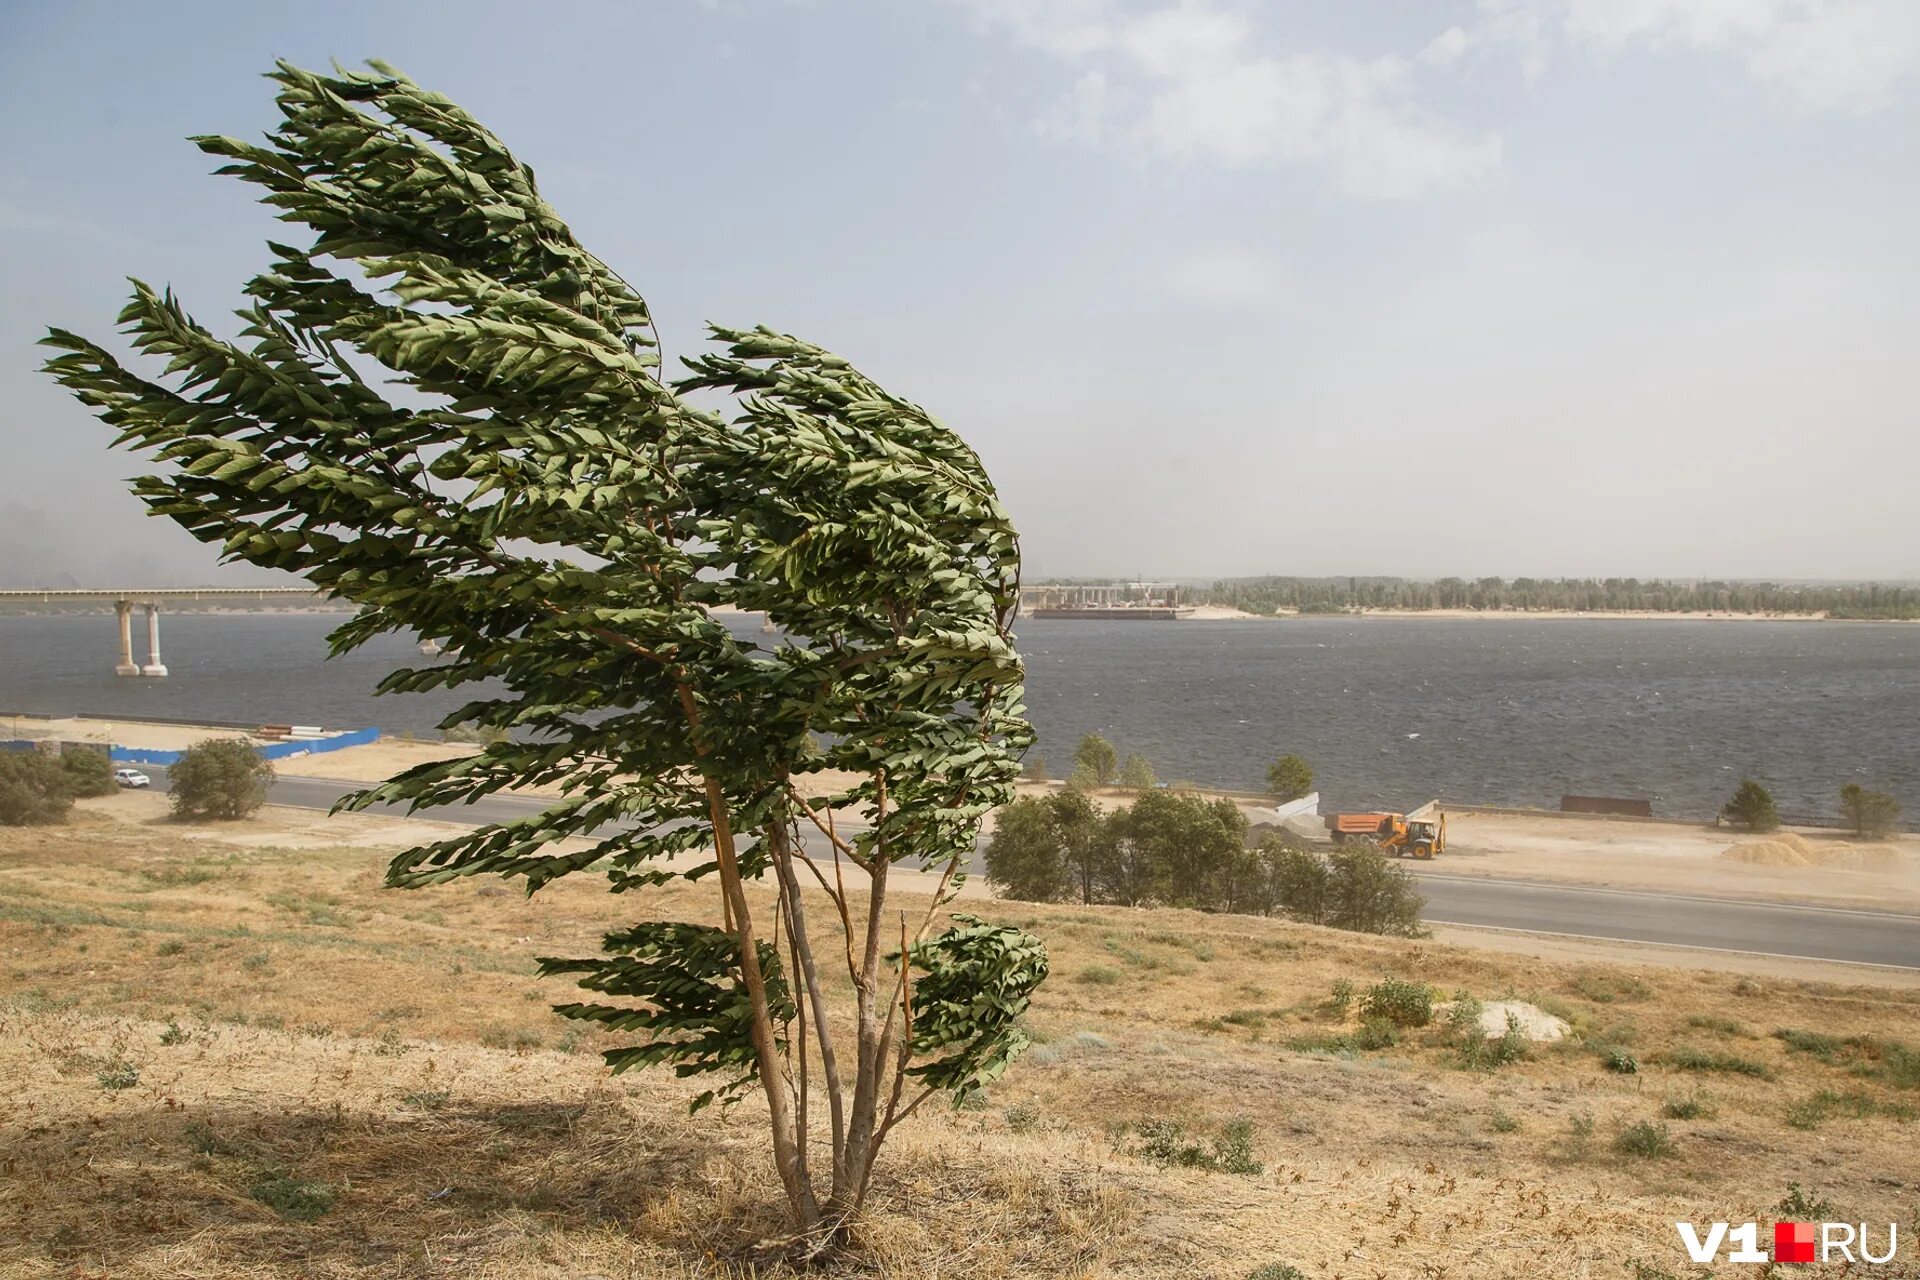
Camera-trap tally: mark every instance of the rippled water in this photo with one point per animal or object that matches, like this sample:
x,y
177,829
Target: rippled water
x,y
1390,711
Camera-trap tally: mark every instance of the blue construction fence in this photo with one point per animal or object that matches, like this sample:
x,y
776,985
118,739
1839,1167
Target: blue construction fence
x,y
272,751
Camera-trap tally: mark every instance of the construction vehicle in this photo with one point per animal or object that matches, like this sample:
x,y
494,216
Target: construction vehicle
x,y
1394,832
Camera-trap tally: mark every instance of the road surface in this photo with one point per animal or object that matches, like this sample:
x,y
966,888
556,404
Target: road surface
x,y
1776,929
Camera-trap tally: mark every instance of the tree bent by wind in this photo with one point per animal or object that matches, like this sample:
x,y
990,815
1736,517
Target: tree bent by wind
x,y
545,502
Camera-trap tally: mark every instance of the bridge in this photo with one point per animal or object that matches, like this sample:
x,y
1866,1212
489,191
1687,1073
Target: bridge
x,y
150,599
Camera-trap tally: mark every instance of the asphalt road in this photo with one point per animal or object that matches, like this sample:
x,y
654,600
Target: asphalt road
x,y
1818,933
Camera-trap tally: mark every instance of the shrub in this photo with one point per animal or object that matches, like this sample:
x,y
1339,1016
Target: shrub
x,y
1804,1206
1166,1142
294,1199
1603,987
1694,1106
1097,756
1341,998
1622,1062
1646,1140
1480,1052
1136,774
1276,1271
1368,893
1022,1117
1868,1056
118,1074
1719,1025
34,790
220,778
1405,1004
1751,807
1690,1059
1463,1020
1289,778
1501,1122
1377,1033
89,773
1023,855
1100,975
1869,813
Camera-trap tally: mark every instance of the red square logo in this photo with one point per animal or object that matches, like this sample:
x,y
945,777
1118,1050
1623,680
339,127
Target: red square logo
x,y
1793,1242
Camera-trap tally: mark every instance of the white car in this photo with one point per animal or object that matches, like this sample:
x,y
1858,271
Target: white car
x,y
131,778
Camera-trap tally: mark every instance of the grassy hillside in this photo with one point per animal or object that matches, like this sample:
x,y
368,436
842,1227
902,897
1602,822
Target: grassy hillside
x,y
224,1058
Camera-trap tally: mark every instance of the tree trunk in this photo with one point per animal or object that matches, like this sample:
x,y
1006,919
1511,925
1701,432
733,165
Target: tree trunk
x,y
816,1002
801,1203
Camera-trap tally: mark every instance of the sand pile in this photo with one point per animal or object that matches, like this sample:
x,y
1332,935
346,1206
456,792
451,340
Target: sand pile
x,y
1789,850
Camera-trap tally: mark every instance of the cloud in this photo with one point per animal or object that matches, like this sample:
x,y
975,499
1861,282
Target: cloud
x,y
1227,276
1080,115
1823,55
1190,82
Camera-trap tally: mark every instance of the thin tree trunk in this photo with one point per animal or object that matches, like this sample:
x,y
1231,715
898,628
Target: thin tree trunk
x,y
823,1031
871,1045
801,1202
773,1081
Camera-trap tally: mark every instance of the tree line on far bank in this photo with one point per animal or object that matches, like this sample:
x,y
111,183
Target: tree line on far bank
x,y
1179,849
1335,595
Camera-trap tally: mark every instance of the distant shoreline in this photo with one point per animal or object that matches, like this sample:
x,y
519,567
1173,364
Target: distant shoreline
x,y
1609,615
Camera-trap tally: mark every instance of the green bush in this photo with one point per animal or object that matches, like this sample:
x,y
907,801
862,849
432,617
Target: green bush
x,y
1368,893
1097,757
1751,807
1646,1140
1695,1106
1804,1206
1289,778
1867,1056
1136,774
1100,975
1166,1142
119,1074
1622,1062
219,778
34,790
89,772
1480,1052
1377,1033
1405,1004
1690,1059
1276,1271
294,1199
1870,813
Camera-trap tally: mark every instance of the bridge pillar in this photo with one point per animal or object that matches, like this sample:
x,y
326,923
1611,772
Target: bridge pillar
x,y
126,665
154,666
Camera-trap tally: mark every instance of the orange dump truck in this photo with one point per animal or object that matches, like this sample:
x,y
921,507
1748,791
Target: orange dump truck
x,y
1421,837
1362,826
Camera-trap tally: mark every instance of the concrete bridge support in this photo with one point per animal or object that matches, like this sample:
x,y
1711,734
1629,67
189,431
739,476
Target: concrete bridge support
x,y
126,665
154,666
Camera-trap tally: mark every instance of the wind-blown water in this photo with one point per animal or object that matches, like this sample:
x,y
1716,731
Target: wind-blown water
x,y
1389,711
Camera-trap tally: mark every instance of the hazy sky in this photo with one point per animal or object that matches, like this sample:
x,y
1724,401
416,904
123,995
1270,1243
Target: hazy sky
x,y
1515,287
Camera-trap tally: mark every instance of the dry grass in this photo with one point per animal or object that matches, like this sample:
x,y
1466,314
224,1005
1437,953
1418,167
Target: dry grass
x,y
332,1079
